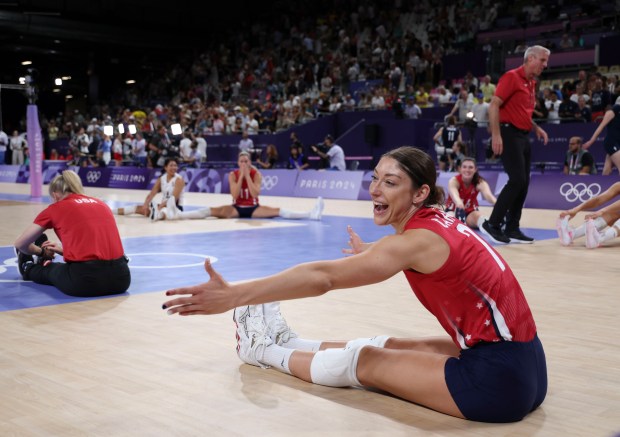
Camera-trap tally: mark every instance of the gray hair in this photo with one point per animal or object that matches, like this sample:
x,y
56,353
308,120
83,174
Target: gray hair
x,y
535,50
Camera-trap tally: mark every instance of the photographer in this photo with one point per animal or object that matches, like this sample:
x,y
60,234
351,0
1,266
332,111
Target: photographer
x,y
80,146
332,152
160,147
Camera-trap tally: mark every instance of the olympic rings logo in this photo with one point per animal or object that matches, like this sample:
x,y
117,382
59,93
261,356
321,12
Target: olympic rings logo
x,y
93,176
579,191
269,182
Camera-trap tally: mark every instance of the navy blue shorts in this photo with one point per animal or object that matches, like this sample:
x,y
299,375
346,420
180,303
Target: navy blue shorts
x,y
611,147
245,211
498,382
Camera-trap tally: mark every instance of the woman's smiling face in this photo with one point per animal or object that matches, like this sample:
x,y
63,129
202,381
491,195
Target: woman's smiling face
x,y
392,193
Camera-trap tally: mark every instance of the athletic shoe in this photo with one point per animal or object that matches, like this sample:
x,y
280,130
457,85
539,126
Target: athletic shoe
x,y
152,211
565,232
317,211
494,234
278,330
251,334
593,237
517,236
24,261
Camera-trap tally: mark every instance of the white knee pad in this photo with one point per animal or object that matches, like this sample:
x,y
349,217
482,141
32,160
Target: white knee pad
x,y
377,341
335,367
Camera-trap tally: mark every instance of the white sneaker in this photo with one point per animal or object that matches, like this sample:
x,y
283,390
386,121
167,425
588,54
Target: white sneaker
x,y
153,213
251,334
278,330
317,211
565,232
593,237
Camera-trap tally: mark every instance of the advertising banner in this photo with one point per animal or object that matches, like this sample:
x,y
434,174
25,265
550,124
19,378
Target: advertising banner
x,y
565,191
329,184
279,182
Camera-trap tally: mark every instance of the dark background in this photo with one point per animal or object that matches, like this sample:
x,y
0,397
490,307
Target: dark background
x,y
103,43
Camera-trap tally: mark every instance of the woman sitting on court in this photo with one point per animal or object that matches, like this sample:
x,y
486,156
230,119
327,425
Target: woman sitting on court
x,y
171,184
95,262
463,190
491,365
593,228
245,185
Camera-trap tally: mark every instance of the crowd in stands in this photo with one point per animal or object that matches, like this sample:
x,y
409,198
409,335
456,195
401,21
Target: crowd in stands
x,y
268,78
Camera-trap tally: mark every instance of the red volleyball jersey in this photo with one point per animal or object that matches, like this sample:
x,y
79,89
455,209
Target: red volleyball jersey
x,y
474,295
245,198
469,196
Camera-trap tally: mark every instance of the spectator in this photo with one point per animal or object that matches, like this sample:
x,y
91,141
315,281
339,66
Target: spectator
x,y
462,106
578,160
246,144
297,159
17,144
600,99
480,109
272,158
159,147
412,110
583,111
553,107
138,150
487,88
334,153
568,110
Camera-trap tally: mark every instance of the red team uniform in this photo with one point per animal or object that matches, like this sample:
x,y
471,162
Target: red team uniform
x,y
500,374
480,304
469,195
245,198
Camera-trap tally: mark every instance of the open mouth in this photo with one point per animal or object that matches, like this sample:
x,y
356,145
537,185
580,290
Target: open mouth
x,y
379,207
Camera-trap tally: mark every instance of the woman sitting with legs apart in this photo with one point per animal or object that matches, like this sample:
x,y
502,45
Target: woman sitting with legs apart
x,y
491,365
95,263
171,184
594,226
463,190
245,185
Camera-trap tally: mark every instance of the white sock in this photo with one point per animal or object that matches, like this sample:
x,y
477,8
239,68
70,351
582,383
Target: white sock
x,y
580,231
293,215
480,221
126,210
271,309
301,344
608,234
335,367
196,214
377,341
277,357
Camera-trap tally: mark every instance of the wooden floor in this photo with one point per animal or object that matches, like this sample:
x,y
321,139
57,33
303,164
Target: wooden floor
x,y
121,367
